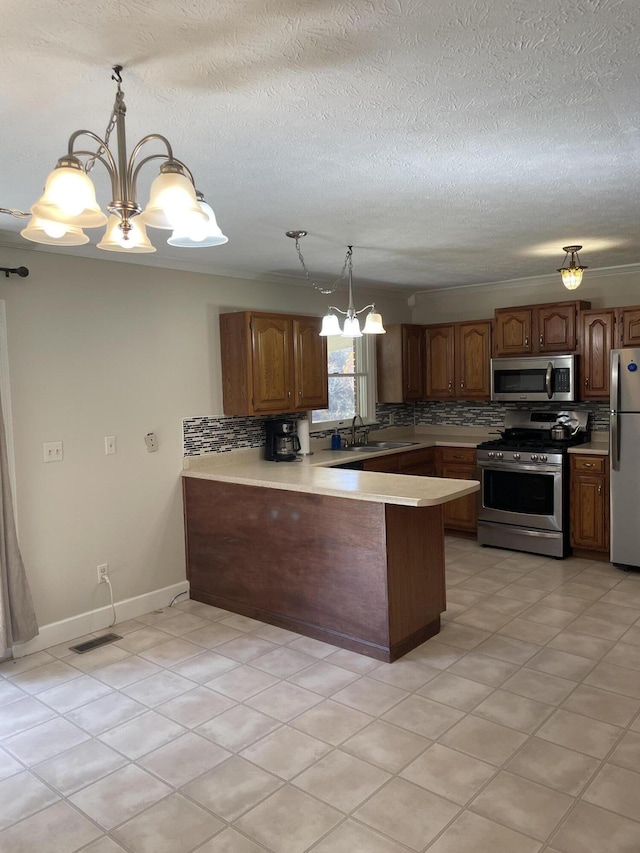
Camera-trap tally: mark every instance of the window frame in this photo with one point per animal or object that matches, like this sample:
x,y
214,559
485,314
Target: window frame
x,y
366,395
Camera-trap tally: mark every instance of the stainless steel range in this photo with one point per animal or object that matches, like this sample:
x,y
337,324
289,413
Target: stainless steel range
x,y
525,482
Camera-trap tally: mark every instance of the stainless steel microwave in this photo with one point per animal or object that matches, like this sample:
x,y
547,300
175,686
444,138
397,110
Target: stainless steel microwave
x,y
534,378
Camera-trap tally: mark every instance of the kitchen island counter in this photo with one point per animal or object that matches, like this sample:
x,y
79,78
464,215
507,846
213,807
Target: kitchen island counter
x,y
353,558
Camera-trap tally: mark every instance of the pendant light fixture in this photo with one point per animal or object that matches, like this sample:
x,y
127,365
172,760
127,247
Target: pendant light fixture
x,y
330,322
571,274
68,204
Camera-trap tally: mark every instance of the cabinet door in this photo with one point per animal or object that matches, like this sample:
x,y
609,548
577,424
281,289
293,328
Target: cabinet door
x,y
597,342
383,464
589,504
271,345
310,365
556,328
513,331
413,362
440,378
473,354
630,331
461,514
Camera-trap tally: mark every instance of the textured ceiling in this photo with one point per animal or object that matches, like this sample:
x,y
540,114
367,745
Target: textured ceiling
x,y
451,141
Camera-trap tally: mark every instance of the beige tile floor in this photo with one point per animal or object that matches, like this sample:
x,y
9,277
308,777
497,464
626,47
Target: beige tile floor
x,y
516,730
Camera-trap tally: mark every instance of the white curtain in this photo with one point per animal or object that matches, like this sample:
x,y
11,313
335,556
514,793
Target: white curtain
x,y
17,616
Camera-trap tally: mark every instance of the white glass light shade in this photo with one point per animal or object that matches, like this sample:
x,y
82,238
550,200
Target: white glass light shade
x,y
173,204
204,234
330,326
571,278
43,231
351,328
69,197
113,240
373,325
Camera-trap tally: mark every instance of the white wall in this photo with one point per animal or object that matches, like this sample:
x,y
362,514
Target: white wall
x,y
604,289
100,348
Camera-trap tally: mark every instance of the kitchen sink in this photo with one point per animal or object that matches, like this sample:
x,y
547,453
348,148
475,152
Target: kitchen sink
x,y
378,445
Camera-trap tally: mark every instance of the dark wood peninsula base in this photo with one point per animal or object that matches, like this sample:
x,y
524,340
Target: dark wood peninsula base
x,y
361,575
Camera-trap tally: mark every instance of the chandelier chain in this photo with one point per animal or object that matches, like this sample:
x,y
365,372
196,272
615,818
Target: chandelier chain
x,y
12,211
325,289
91,162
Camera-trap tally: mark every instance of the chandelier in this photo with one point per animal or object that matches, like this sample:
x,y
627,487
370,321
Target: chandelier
x,y
572,274
330,322
68,204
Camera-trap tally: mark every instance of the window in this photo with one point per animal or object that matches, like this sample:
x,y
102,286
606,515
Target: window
x,y
351,365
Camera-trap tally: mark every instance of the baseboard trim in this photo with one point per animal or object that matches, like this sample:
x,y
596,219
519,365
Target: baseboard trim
x,y
95,620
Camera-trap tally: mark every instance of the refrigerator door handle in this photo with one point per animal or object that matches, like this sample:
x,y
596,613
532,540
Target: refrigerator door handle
x,y
614,426
615,442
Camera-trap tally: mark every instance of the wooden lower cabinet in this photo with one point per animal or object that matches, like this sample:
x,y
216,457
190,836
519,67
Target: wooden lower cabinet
x,y
590,503
459,463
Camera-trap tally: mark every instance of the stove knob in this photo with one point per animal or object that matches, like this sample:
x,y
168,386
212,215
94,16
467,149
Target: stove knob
x,y
516,456
534,457
499,454
543,458
491,454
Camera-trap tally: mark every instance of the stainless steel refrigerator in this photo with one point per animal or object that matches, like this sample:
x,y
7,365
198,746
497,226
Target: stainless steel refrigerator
x,y
624,455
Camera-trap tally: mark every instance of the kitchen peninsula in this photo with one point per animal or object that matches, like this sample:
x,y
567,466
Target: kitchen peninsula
x,y
353,558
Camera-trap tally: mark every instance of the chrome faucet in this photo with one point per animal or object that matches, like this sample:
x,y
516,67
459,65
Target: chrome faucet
x,y
353,427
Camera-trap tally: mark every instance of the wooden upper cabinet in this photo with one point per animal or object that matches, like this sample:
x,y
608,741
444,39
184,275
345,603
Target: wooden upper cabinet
x,y
457,361
473,354
272,363
400,364
597,336
530,329
630,327
557,328
440,363
310,364
513,331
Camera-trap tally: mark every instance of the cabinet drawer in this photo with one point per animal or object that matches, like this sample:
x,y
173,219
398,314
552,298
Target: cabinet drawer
x,y
465,455
591,464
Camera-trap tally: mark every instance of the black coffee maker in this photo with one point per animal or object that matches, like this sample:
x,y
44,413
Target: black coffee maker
x,y
282,441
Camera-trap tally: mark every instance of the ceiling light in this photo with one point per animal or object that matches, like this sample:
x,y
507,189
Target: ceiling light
x,y
330,322
53,233
572,274
69,204
202,233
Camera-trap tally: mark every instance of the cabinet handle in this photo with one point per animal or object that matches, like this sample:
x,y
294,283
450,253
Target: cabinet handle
x,y
586,382
289,394
589,465
462,386
599,490
526,340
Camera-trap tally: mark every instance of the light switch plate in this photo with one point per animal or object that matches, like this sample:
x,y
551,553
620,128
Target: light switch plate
x,y
52,451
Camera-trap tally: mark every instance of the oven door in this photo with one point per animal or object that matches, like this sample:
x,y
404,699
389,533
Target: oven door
x,y
523,495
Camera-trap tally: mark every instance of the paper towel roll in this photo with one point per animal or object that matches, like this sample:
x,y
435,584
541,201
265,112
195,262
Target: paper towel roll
x,y
303,436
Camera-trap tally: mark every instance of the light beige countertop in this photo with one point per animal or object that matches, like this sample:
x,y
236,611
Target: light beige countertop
x,y
315,474
595,447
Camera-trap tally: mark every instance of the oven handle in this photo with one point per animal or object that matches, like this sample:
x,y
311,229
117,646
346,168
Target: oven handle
x,y
518,466
547,380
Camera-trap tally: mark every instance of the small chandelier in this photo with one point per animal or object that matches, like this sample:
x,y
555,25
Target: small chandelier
x,y
330,322
68,204
572,274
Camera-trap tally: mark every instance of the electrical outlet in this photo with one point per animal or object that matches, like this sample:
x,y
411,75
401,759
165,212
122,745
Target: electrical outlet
x,y
103,571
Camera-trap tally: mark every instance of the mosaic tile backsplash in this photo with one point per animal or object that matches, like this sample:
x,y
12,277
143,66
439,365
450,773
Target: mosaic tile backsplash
x,y
219,435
